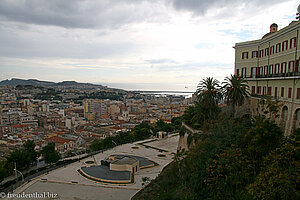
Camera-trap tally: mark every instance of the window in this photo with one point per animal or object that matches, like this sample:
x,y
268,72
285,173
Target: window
x,y
244,72
272,50
291,66
275,94
298,93
237,72
261,53
253,90
253,72
266,70
284,45
293,42
245,55
276,70
269,90
254,54
283,67
278,47
282,92
258,89
264,90
258,71
266,51
271,69
290,93
297,66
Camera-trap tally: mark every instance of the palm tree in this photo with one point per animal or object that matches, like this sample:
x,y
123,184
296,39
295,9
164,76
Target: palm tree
x,y
209,94
195,115
235,90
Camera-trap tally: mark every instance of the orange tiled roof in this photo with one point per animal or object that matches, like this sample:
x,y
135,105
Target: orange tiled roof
x,y
19,125
57,140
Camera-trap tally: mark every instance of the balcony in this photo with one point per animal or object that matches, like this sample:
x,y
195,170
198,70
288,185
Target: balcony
x,y
278,98
260,96
275,76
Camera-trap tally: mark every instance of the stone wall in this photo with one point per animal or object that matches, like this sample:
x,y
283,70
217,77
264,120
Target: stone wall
x,y
186,132
288,118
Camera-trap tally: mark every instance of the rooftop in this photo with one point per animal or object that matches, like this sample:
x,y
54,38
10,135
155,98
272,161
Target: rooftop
x,y
269,36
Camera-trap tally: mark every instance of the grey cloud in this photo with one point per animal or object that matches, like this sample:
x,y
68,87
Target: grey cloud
x,y
77,13
192,66
111,13
201,7
22,44
160,61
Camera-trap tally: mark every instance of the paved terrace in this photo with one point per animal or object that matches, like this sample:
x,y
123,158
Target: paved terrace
x,y
69,184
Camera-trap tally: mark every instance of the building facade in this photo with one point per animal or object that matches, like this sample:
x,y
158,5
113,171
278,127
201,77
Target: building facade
x,y
271,67
94,108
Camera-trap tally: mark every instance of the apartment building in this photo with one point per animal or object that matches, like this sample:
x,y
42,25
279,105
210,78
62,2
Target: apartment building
x,y
271,67
94,108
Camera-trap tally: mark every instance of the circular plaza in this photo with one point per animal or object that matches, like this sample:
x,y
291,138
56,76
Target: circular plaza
x,y
117,169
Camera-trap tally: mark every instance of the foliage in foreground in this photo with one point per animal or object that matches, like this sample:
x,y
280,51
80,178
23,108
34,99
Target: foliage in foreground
x,y
50,154
238,159
22,158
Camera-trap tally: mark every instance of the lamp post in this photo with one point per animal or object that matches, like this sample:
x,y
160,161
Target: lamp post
x,y
115,146
114,142
18,172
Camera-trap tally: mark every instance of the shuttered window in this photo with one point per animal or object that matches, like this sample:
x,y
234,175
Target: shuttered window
x,y
272,50
283,67
264,90
245,55
269,90
266,51
298,93
278,46
293,42
259,90
291,66
290,93
284,45
253,90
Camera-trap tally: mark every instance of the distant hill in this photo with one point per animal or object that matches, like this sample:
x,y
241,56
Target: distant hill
x,y
16,81
74,83
64,84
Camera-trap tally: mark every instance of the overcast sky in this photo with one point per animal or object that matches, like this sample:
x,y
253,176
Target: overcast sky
x,y
131,44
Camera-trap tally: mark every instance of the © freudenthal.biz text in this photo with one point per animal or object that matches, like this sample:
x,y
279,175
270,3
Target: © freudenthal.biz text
x,y
34,195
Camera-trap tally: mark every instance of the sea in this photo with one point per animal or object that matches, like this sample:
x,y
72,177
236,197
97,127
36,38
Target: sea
x,y
167,93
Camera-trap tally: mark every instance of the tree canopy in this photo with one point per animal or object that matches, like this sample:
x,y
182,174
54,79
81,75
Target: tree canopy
x,y
234,158
50,154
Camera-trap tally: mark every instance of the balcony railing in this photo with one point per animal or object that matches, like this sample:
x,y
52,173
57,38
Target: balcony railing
x,y
289,74
262,96
278,98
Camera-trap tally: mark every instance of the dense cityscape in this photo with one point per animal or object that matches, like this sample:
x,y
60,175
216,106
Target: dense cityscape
x,y
73,116
149,100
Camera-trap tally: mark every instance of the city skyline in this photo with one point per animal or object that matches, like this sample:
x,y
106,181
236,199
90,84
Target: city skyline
x,y
152,45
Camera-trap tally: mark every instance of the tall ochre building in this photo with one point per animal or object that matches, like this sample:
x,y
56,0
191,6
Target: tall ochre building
x,y
94,108
271,67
